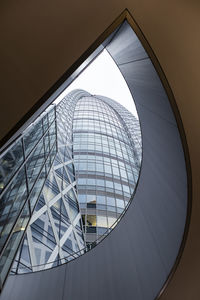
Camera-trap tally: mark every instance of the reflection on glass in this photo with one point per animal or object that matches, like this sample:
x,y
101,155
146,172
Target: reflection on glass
x,y
10,162
11,203
32,136
105,159
35,163
91,220
23,170
7,258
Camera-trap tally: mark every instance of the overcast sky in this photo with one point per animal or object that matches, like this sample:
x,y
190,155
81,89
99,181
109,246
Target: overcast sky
x,y
102,77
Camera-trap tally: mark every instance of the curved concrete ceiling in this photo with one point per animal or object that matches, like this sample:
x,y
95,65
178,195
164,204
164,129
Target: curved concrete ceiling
x,y
40,41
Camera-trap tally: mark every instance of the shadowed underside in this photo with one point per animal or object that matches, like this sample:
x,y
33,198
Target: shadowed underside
x,y
136,259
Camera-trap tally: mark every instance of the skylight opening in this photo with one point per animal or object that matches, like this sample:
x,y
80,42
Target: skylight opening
x,y
103,77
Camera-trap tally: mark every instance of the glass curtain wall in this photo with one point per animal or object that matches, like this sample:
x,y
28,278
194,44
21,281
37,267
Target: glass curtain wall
x,y
107,162
23,169
55,234
89,185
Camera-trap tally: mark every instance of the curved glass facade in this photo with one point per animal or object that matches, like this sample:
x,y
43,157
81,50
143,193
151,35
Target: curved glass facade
x,y
55,230
106,164
93,176
24,167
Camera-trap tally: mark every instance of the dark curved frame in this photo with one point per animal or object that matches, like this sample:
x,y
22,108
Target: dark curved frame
x,y
53,92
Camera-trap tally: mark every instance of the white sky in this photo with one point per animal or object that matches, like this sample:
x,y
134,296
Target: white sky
x,y
102,77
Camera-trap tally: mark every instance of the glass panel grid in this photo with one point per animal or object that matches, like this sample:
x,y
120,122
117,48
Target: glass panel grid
x,y
22,174
106,164
89,186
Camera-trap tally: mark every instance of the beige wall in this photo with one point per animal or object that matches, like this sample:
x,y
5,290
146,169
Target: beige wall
x,y
41,39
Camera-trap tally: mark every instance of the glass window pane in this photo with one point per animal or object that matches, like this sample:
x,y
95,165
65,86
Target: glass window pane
x,y
91,220
9,163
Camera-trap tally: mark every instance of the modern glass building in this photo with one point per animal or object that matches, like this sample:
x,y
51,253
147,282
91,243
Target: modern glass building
x,y
24,167
141,254
107,161
90,184
55,234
